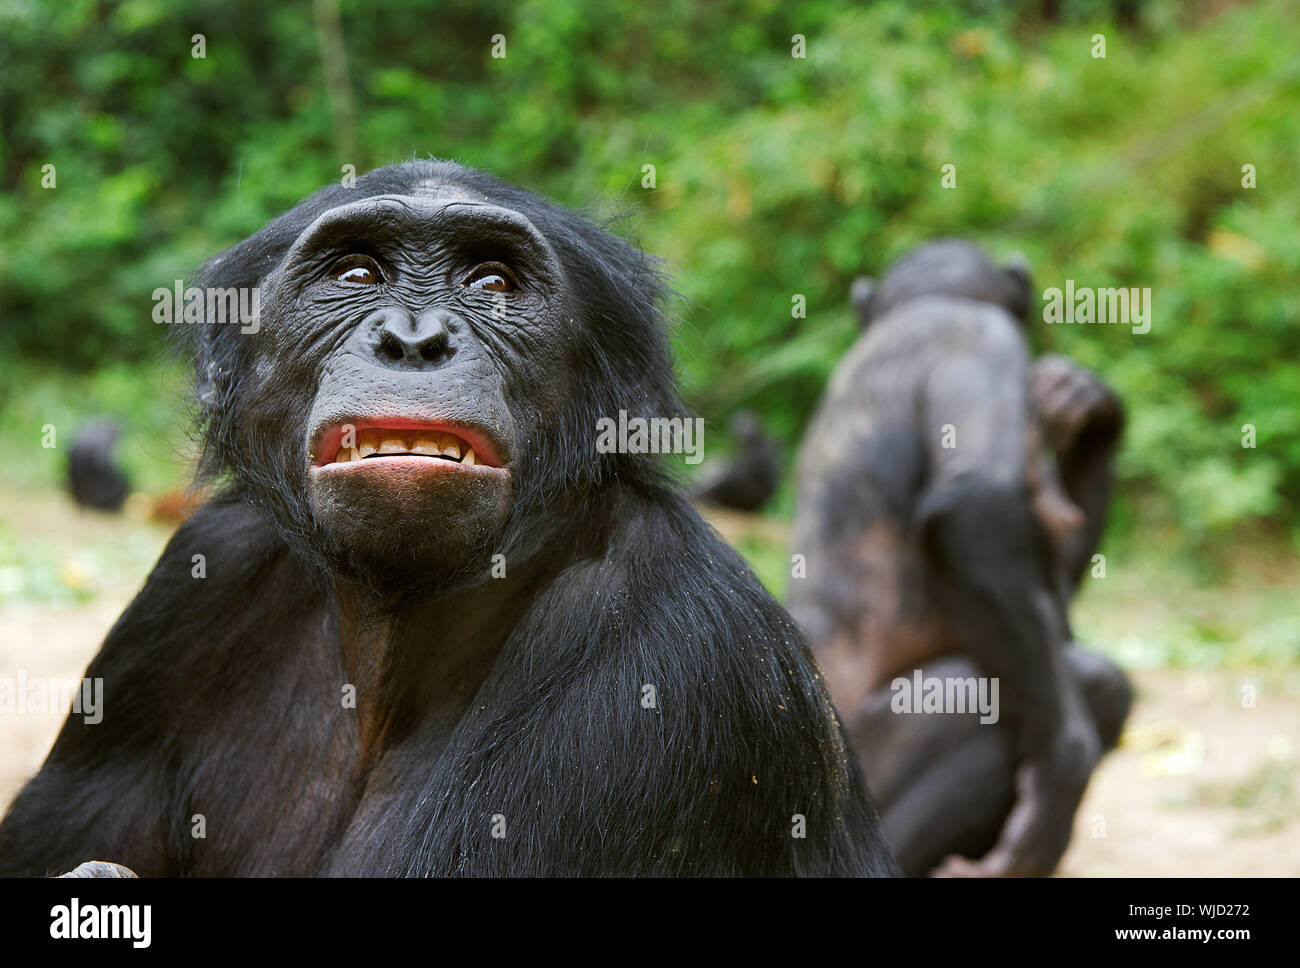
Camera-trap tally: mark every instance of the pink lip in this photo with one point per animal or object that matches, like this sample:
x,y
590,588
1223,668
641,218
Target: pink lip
x,y
329,439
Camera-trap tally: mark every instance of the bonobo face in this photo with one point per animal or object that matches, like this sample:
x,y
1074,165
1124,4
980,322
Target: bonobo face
x,y
418,319
432,352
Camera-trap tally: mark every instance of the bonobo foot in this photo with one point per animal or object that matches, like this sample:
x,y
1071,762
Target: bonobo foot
x,y
99,868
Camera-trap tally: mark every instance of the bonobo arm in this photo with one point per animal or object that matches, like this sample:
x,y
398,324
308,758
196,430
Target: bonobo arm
x,y
99,793
116,790
994,579
1082,420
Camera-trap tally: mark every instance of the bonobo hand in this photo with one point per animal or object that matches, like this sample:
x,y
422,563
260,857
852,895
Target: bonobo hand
x,y
99,868
1037,830
1068,398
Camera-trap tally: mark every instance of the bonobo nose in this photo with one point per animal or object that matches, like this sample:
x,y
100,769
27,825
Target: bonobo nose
x,y
405,340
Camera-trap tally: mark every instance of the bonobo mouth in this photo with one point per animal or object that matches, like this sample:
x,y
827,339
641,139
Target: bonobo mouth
x,y
410,444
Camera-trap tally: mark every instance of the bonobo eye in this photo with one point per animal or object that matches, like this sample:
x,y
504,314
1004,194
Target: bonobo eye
x,y
360,269
492,276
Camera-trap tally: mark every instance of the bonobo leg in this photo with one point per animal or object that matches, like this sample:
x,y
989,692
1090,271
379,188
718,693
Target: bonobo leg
x,y
944,783
1106,689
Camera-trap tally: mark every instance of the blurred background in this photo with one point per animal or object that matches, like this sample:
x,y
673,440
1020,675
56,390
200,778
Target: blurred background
x,y
773,176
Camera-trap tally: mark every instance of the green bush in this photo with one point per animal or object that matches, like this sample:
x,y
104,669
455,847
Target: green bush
x,y
774,176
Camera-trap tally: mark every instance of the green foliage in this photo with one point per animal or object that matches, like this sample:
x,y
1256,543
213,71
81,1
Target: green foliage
x,y
155,451
774,176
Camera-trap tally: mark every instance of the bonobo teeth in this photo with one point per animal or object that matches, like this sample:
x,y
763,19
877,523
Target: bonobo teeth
x,y
421,443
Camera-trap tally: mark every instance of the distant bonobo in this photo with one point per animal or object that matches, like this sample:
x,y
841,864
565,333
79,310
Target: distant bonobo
x,y
427,628
94,479
748,478
939,537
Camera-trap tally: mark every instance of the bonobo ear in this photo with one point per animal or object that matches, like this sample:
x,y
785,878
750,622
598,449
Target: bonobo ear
x,y
1021,287
859,296
219,351
215,350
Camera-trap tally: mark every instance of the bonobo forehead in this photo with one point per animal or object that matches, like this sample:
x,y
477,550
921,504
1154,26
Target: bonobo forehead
x,y
431,203
435,188
441,183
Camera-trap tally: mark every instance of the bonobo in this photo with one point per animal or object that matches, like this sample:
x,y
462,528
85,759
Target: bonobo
x,y
427,628
940,537
94,479
749,477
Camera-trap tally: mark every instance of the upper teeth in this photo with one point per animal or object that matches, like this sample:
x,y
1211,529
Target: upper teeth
x,y
425,443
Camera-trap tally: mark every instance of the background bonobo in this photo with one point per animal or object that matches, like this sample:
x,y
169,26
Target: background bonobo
x,y
94,479
959,560
616,693
749,477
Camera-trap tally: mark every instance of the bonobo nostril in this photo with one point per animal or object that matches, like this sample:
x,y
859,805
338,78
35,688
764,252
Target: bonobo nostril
x,y
403,339
390,347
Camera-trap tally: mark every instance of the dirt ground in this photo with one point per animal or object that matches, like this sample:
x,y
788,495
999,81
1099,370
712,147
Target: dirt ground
x,y
1201,785
1204,783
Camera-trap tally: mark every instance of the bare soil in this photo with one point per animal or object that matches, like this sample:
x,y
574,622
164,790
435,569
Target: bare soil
x,y
1204,783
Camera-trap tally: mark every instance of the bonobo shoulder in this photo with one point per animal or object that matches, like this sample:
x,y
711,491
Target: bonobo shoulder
x,y
229,539
221,566
666,548
669,584
949,323
900,351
